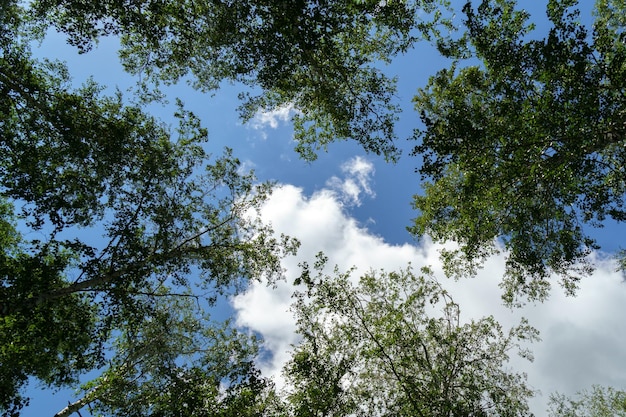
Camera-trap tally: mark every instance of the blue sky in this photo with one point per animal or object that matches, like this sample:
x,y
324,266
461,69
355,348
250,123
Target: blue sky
x,y
355,207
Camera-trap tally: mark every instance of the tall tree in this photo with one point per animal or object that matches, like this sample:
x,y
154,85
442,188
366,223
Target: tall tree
x,y
321,57
176,361
599,402
526,148
101,207
394,345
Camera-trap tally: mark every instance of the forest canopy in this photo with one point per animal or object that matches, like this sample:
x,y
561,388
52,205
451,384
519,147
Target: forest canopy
x,y
120,232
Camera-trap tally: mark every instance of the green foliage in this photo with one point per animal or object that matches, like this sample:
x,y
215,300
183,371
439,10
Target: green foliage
x,y
526,148
319,56
112,206
50,342
599,402
176,362
394,345
523,150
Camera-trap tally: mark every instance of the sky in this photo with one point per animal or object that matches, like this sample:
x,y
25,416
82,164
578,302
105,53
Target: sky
x,y
355,207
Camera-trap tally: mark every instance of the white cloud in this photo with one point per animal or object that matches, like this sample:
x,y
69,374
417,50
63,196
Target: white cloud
x,y
583,336
245,167
321,225
357,178
271,118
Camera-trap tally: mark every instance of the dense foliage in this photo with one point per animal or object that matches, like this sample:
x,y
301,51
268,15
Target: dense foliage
x,y
104,211
319,56
524,146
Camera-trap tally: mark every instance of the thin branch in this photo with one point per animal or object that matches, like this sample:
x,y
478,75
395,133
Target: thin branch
x,y
358,308
77,405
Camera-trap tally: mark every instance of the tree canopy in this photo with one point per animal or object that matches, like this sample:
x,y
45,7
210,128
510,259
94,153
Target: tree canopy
x,y
598,402
77,164
321,57
119,232
394,345
177,361
524,145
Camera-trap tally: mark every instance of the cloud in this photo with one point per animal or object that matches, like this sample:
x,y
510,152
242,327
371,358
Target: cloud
x,y
357,177
321,224
271,118
245,167
582,336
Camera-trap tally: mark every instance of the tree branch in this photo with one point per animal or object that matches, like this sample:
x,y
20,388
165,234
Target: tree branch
x,y
77,405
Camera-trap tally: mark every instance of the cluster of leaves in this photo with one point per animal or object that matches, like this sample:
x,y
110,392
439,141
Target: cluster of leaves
x,y
394,345
599,402
177,362
527,147
319,56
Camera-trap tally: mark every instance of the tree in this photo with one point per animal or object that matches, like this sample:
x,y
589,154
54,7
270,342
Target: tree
x,y
75,164
526,149
394,344
600,402
318,56
178,362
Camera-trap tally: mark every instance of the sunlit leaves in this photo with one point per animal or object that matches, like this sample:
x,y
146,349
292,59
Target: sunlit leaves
x,y
176,360
395,344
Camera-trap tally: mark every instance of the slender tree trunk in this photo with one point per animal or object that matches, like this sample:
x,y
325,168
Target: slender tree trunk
x,y
77,405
